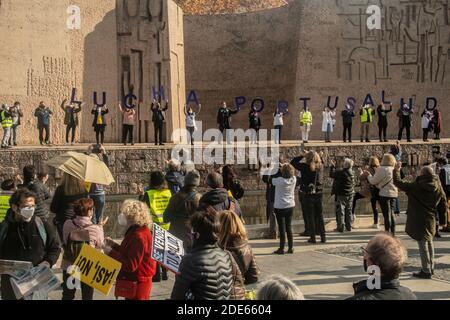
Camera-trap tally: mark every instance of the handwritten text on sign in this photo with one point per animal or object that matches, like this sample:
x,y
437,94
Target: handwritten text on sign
x,y
96,269
167,249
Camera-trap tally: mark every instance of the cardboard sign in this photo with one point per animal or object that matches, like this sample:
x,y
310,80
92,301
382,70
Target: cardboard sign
x,y
167,250
96,269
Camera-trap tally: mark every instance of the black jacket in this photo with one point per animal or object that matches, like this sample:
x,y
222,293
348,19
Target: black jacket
x,y
344,182
103,112
390,290
219,200
158,115
224,118
307,177
175,181
382,116
254,120
62,205
207,273
347,116
42,194
270,189
22,241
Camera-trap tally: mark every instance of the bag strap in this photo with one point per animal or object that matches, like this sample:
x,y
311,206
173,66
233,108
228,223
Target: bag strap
x,y
386,183
41,230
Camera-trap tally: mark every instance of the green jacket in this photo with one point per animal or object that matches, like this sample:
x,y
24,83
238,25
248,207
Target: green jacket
x,y
426,200
67,112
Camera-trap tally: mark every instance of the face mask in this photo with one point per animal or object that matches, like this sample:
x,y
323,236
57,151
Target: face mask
x,y
122,220
27,213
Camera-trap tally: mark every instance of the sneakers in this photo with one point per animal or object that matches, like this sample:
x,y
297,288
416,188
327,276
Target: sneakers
x,y
422,275
376,226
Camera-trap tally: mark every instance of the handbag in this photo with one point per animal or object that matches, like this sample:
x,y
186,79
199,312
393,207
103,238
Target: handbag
x,y
125,289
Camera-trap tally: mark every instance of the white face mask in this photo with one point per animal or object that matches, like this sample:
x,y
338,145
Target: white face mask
x,y
122,220
27,213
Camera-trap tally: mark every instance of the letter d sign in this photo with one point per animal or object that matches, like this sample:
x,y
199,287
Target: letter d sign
x,y
374,21
374,281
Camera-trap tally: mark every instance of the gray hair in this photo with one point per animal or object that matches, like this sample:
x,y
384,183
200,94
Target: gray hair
x,y
348,163
214,180
278,287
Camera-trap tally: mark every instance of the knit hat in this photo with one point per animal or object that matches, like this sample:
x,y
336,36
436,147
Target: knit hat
x,y
156,179
192,178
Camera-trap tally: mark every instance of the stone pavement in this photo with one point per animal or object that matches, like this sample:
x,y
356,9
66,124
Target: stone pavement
x,y
327,271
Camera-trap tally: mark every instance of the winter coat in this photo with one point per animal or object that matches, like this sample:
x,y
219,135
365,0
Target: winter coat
x,y
390,290
62,205
16,114
42,194
224,118
347,116
159,115
383,179
437,121
206,273
245,259
307,177
278,119
284,192
426,199
366,187
382,116
96,114
270,188
254,120
234,186
444,177
404,121
135,254
328,118
175,181
344,182
220,201
68,113
43,116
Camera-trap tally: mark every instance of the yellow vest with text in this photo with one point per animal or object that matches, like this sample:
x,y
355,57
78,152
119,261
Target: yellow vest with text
x,y
158,202
367,116
6,121
306,118
4,206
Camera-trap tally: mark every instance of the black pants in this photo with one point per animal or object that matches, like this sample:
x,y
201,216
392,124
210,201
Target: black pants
x,y
408,133
100,133
69,127
87,293
347,129
284,220
387,207
127,130
425,134
382,130
373,203
7,291
314,214
158,133
301,196
161,272
43,128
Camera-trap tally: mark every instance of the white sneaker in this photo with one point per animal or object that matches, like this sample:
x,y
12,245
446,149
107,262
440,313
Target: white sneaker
x,y
376,226
66,144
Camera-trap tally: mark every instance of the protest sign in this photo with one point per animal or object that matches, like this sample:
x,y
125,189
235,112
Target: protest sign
x,y
167,249
39,280
95,269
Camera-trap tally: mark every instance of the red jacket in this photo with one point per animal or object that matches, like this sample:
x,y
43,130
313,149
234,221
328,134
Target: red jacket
x,y
135,255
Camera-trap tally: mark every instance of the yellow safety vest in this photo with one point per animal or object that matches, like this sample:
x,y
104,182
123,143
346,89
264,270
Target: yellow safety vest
x,y
4,206
158,202
306,118
367,115
6,121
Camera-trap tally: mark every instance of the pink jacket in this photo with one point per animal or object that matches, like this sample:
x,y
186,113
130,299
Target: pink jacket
x,y
128,115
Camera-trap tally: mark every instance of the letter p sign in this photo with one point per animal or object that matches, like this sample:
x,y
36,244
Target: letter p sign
x,y
74,20
374,21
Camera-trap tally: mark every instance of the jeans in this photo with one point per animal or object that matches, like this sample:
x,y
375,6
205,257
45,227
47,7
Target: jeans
x,y
365,131
387,207
426,251
190,136
284,219
158,133
253,136
46,128
347,130
314,213
99,205
408,133
278,134
373,202
328,133
14,129
127,131
6,135
87,293
69,127
397,206
271,219
305,132
344,212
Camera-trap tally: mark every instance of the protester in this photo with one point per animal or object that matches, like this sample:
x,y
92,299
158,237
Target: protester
x,y
79,227
233,238
344,190
396,151
389,255
224,121
158,119
278,287
306,120
231,183
207,272
328,122
368,190
67,193
98,194
284,206
383,112
43,115
182,206
426,199
311,188
16,114
270,200
70,119
8,188
347,120
7,122
426,124
383,179
366,112
174,176
254,125
191,124
217,198
404,115
39,189
99,122
134,252
437,124
128,122
278,123
444,177
25,237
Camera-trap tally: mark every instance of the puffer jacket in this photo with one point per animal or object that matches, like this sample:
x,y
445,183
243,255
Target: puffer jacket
x,y
383,179
207,273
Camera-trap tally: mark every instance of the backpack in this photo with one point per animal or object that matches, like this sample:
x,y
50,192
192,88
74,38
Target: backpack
x,y
4,226
77,238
